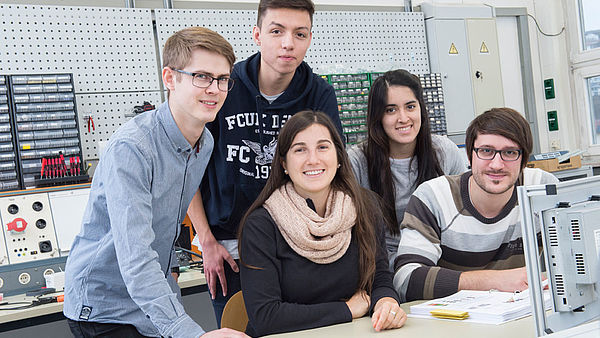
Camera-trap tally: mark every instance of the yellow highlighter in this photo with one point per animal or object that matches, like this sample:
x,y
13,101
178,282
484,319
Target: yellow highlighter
x,y
450,314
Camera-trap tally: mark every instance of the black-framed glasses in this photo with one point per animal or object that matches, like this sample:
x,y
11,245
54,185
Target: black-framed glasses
x,y
201,80
505,155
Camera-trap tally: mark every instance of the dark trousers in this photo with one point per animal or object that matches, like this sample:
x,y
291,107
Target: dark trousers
x,y
233,285
104,330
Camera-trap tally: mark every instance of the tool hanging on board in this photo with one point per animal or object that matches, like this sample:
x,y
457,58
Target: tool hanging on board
x,y
146,106
90,123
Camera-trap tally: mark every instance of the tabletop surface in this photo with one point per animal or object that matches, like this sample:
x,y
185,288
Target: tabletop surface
x,y
419,327
187,279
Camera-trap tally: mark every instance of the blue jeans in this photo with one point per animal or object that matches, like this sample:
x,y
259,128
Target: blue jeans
x,y
233,285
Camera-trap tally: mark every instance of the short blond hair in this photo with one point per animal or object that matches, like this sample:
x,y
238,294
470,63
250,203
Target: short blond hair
x,y
178,49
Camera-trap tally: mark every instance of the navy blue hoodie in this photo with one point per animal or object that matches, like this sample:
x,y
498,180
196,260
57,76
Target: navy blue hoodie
x,y
245,132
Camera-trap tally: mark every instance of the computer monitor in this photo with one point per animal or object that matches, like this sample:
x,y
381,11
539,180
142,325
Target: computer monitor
x,y
567,215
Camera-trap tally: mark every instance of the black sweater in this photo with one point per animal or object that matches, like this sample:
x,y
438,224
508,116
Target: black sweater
x,y
289,292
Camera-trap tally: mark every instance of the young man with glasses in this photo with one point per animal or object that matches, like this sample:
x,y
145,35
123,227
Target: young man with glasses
x,y
118,281
270,87
463,232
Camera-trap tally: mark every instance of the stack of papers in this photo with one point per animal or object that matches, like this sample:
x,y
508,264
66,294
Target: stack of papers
x,y
488,307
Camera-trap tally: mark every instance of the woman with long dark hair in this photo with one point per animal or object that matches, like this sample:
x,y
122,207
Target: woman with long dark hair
x,y
400,152
311,245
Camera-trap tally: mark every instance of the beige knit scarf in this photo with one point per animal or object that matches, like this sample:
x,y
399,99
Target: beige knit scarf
x,y
322,240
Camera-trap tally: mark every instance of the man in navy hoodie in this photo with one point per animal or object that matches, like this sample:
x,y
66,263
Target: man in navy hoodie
x,y
270,87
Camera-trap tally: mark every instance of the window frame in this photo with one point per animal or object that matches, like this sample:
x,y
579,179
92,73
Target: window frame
x,y
579,55
583,106
584,64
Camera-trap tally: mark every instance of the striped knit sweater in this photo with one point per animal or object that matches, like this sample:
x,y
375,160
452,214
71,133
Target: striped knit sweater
x,y
442,234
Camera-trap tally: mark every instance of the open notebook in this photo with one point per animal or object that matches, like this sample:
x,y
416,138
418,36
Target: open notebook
x,y
488,307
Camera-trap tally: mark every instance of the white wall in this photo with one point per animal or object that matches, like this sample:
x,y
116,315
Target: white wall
x,y
510,63
554,63
193,3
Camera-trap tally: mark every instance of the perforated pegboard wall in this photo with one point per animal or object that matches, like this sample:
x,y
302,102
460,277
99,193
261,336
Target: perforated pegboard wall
x,y
109,112
106,49
343,41
233,25
368,42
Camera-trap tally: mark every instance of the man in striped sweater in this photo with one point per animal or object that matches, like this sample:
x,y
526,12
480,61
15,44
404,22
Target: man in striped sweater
x,y
463,232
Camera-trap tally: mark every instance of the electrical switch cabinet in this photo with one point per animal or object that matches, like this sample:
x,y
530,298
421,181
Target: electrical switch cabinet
x,y
463,47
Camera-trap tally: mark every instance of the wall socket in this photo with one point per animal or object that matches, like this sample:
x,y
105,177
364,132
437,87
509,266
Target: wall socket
x,y
555,144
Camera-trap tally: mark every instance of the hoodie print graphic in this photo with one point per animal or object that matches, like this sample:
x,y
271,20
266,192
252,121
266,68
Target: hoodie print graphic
x,y
264,155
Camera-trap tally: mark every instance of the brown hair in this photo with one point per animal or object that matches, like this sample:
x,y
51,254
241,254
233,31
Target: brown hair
x,y
344,181
505,122
377,146
301,5
178,49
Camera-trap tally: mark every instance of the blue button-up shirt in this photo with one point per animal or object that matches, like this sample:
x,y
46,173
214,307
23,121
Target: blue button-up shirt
x,y
119,265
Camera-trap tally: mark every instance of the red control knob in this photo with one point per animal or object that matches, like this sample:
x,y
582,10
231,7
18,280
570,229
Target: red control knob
x,y
18,225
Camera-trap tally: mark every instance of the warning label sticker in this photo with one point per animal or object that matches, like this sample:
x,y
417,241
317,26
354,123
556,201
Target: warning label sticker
x,y
453,49
483,49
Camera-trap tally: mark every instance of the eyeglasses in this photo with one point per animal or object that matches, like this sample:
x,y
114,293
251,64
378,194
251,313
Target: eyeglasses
x,y
202,80
505,155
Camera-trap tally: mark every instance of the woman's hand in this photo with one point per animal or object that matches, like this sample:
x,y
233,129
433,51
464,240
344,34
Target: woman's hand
x,y
387,314
359,304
